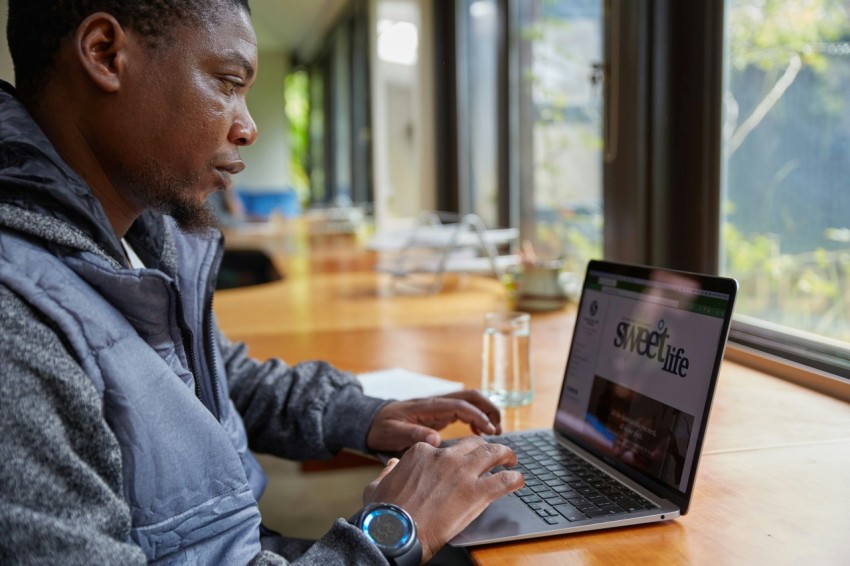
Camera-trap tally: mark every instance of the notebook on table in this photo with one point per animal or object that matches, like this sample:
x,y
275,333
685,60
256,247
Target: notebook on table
x,y
632,412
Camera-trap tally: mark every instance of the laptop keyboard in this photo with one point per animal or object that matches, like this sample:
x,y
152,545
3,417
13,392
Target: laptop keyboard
x,y
562,488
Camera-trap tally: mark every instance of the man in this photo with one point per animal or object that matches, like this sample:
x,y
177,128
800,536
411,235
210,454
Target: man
x,y
126,416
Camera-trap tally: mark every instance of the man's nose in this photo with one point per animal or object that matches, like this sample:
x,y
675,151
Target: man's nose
x,y
244,130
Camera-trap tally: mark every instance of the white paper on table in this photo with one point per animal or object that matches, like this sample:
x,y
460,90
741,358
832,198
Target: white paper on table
x,y
401,384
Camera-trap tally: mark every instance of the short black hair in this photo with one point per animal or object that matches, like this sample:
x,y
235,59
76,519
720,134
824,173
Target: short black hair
x,y
36,28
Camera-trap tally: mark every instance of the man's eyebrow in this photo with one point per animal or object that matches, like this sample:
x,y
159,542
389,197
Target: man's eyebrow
x,y
243,62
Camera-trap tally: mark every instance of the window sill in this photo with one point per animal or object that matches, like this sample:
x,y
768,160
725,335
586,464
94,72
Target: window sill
x,y
797,373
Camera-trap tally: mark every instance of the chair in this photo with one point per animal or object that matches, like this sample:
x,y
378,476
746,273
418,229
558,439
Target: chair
x,y
441,243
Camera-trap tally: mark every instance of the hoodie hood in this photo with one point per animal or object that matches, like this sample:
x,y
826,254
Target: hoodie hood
x,y
36,180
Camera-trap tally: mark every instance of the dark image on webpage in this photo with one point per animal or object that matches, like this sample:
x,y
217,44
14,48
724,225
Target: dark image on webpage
x,y
638,430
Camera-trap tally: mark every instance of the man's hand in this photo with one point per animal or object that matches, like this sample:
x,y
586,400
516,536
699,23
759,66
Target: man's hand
x,y
444,489
402,424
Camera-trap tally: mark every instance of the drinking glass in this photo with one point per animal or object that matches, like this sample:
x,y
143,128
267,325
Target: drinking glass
x,y
506,377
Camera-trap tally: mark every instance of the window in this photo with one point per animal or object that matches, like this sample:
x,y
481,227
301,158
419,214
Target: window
x,y
361,115
530,121
296,93
725,143
340,93
317,168
555,52
478,108
400,119
786,165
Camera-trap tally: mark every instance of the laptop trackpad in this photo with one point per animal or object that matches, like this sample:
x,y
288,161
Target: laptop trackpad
x,y
504,518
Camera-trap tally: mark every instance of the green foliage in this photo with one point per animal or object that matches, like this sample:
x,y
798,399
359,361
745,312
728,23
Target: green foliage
x,y
569,240
297,107
746,256
765,31
771,41
809,291
561,125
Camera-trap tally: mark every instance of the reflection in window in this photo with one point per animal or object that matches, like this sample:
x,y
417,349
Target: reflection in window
x,y
787,163
477,99
556,44
398,123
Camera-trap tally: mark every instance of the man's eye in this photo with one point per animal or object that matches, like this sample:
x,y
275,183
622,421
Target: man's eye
x,y
230,85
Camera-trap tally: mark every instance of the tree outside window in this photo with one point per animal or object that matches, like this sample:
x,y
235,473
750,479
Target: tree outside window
x,y
786,225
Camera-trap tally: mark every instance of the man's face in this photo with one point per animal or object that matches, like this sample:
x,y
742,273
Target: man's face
x,y
190,118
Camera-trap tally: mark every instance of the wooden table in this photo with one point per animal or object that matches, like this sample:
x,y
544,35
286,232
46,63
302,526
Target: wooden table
x,y
772,484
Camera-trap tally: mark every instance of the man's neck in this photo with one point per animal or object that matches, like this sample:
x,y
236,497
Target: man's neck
x,y
71,144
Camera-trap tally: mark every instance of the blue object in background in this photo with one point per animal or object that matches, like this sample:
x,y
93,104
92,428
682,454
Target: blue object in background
x,y
261,204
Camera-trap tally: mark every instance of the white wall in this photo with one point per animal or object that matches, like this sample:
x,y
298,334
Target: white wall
x,y
268,159
7,72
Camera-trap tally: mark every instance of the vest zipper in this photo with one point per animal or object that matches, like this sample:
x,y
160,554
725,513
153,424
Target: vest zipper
x,y
210,328
188,343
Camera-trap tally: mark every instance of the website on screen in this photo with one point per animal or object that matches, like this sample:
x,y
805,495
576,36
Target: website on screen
x,y
640,371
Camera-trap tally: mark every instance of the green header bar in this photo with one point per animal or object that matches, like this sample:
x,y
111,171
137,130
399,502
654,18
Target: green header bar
x,y
706,303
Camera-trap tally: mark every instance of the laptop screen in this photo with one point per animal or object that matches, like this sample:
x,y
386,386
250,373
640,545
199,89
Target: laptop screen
x,y
646,349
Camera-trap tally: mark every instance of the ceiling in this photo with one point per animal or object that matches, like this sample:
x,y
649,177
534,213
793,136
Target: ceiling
x,y
292,26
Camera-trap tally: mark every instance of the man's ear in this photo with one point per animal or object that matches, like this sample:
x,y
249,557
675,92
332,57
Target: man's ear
x,y
101,48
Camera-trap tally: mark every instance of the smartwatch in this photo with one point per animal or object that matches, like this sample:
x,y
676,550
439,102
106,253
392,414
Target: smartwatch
x,y
392,530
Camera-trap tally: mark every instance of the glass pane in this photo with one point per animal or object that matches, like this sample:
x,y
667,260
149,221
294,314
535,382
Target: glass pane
x,y
296,96
361,119
478,97
786,232
557,48
398,124
341,104
317,134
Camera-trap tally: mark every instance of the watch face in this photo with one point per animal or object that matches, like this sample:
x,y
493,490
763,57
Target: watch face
x,y
387,527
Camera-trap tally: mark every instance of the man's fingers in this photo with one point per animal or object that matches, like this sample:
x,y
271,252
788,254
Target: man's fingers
x,y
424,434
481,455
475,397
488,455
400,424
447,410
501,483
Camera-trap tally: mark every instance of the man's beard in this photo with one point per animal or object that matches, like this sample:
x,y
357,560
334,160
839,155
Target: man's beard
x,y
191,217
168,195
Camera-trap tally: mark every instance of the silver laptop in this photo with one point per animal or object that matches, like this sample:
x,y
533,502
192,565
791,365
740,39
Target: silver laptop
x,y
632,412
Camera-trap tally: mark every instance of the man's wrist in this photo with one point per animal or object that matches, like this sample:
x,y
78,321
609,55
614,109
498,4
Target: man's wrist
x,y
392,530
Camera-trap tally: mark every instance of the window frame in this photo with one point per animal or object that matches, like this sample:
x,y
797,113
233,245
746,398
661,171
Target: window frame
x,y
667,137
663,145
351,35
664,78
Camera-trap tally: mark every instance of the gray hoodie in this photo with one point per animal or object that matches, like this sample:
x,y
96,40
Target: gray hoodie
x,y
126,417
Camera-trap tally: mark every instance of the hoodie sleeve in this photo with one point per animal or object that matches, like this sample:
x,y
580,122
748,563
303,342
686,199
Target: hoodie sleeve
x,y
307,411
343,544
60,481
